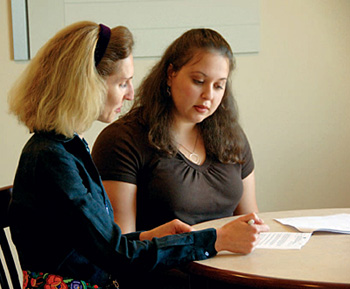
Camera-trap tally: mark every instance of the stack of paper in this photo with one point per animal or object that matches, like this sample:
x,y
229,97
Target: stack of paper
x,y
339,223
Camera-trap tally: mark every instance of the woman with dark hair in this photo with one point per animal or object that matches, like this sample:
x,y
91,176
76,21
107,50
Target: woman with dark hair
x,y
61,219
190,159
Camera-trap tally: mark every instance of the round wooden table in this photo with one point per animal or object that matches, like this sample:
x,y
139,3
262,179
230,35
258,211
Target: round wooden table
x,y
324,262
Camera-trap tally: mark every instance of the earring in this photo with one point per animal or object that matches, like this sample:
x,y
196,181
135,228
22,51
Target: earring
x,y
168,90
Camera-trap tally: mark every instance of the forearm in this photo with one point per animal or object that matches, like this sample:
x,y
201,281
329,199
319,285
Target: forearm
x,y
183,248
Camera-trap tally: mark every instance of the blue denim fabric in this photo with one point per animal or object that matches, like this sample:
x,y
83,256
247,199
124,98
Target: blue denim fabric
x,y
61,219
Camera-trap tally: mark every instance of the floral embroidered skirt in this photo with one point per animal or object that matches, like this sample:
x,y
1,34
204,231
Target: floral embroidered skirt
x,y
35,280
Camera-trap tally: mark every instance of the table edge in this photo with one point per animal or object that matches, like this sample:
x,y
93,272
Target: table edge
x,y
259,281
256,281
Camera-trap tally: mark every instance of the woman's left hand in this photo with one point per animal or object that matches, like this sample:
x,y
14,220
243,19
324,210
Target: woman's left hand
x,y
171,228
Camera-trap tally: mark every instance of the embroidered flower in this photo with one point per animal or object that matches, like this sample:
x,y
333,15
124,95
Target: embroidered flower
x,y
36,282
39,280
55,282
76,285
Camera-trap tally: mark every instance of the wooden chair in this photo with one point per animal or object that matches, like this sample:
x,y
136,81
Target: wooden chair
x,y
7,263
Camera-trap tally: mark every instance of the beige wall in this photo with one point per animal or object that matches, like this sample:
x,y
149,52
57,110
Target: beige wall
x,y
294,100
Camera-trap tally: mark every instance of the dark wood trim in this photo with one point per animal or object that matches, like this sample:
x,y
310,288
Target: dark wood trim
x,y
211,275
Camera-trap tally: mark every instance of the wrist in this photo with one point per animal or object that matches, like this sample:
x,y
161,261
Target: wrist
x,y
218,242
143,236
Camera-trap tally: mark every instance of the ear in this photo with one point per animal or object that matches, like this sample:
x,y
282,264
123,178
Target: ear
x,y
170,74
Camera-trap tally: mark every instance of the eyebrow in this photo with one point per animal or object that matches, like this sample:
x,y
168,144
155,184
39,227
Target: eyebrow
x,y
200,72
125,78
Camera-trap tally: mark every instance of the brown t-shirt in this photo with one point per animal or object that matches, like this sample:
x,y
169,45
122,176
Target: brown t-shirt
x,y
169,188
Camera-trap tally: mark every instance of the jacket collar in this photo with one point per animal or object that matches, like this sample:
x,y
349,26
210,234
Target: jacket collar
x,y
57,137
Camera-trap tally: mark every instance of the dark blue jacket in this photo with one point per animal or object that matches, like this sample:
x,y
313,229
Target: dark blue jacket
x,y
61,219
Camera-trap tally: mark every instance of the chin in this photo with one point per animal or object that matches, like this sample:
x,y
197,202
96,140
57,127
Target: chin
x,y
199,119
107,118
104,120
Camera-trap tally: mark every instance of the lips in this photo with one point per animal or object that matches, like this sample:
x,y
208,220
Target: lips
x,y
201,108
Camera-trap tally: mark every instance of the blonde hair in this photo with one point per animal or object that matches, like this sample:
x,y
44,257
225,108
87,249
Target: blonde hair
x,y
61,90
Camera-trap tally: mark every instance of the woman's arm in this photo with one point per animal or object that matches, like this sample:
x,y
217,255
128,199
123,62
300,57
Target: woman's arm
x,y
237,236
123,199
248,202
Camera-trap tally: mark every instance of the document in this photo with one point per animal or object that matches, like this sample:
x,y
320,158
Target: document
x,y
339,223
282,240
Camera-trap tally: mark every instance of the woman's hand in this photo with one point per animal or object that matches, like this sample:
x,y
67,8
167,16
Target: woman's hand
x,y
170,228
238,236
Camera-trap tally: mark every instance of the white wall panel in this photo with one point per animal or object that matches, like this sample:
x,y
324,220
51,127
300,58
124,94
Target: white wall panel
x,y
154,23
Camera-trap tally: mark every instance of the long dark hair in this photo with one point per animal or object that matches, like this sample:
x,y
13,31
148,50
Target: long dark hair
x,y
221,132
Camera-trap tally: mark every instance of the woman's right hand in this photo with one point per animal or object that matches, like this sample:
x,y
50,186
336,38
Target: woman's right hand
x,y
238,236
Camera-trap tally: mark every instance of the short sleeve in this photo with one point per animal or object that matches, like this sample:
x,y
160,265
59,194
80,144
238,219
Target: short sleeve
x,y
118,152
248,165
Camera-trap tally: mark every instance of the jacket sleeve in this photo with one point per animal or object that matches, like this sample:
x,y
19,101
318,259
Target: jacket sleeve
x,y
100,239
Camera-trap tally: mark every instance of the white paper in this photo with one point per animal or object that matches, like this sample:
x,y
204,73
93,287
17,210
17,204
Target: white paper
x,y
283,240
339,223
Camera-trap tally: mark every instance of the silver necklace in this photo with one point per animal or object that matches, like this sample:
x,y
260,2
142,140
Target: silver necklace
x,y
193,156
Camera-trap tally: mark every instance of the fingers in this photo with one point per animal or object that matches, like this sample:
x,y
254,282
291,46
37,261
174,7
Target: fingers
x,y
263,228
170,228
241,235
252,218
258,226
181,227
258,223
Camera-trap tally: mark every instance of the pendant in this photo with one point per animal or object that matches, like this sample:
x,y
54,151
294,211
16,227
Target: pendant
x,y
194,158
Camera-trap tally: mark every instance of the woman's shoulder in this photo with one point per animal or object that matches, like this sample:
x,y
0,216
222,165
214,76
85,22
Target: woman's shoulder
x,y
124,134
47,149
46,141
123,127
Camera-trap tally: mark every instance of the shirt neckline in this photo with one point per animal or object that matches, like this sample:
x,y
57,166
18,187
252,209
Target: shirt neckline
x,y
201,167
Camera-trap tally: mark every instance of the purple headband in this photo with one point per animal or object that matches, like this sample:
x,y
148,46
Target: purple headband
x,y
102,43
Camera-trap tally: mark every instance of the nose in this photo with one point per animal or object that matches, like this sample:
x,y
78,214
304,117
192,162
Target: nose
x,y
207,92
130,93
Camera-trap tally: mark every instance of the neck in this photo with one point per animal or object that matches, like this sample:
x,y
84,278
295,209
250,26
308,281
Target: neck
x,y
186,138
184,130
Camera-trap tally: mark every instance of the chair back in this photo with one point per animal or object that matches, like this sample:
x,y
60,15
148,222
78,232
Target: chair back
x,y
8,263
5,199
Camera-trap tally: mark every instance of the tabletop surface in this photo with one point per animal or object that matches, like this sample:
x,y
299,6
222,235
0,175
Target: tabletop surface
x,y
325,258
